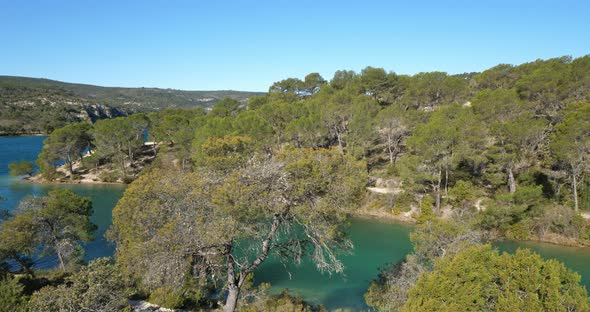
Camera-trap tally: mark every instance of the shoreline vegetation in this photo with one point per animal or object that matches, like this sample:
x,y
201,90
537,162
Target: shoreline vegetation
x,y
103,173
470,158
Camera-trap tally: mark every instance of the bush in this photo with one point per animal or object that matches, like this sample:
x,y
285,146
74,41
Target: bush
x,y
97,287
520,230
20,168
167,298
282,302
110,176
12,297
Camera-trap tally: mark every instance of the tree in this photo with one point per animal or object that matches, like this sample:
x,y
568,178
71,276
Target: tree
x,y
452,134
361,133
226,108
65,144
120,138
312,83
480,279
517,133
393,130
429,90
433,238
20,168
97,287
570,144
54,224
342,79
544,86
224,226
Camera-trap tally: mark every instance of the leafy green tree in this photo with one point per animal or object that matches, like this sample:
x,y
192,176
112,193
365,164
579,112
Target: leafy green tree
x,y
20,168
499,76
312,83
433,238
361,137
65,144
517,133
54,224
452,134
227,152
429,90
480,279
393,130
384,87
343,79
97,287
120,138
226,108
544,86
570,144
292,205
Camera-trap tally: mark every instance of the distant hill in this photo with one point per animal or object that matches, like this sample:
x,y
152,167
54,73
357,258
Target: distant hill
x,y
34,105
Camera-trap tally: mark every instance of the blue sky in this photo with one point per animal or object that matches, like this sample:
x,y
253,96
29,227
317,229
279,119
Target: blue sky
x,y
247,45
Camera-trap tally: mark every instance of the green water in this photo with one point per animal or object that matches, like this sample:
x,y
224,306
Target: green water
x,y
376,243
13,189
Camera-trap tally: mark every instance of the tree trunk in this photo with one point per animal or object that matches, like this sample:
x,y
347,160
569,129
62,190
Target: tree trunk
x,y
62,264
446,182
437,191
235,284
340,144
389,148
232,299
70,167
511,182
575,189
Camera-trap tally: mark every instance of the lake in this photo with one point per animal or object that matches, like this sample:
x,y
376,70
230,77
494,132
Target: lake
x,y
376,243
13,189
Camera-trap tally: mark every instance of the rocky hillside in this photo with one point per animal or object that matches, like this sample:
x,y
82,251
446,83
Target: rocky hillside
x,y
32,105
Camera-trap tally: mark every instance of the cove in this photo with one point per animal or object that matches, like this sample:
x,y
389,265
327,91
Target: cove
x,y
104,196
376,243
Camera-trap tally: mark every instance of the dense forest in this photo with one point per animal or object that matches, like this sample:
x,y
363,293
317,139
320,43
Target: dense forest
x,y
469,158
32,105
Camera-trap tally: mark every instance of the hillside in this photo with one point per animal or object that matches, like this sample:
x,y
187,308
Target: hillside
x,y
34,105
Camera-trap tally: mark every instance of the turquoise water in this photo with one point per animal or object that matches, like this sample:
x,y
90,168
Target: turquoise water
x,y
376,243
13,189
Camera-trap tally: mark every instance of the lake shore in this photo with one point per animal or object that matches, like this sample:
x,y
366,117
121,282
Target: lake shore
x,y
38,179
381,215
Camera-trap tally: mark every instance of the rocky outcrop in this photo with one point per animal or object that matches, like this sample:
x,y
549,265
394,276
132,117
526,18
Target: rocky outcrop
x,y
94,112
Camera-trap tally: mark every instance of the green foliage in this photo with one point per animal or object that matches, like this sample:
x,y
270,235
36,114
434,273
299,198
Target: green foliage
x,y
298,200
119,139
463,194
111,176
283,302
54,224
20,168
64,145
570,144
96,287
227,153
52,104
12,297
480,279
167,298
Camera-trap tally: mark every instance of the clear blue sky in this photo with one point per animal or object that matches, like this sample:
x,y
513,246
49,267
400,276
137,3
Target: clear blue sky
x,y
247,45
